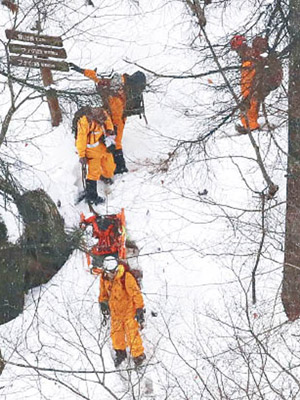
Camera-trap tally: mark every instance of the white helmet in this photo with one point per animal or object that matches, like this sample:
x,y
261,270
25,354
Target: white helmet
x,y
110,264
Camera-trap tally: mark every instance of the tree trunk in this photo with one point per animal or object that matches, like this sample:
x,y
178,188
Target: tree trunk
x,y
44,241
11,278
41,251
291,275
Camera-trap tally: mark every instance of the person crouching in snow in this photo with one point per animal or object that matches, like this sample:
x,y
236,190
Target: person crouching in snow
x,y
95,143
121,298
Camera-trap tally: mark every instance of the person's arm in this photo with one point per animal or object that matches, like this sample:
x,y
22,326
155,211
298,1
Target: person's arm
x,y
82,136
103,299
75,67
103,295
134,291
91,74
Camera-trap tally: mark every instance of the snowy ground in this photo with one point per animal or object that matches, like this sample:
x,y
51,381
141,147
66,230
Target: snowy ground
x,y
194,288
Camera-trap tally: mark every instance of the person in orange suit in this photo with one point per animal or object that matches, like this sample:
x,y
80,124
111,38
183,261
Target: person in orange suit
x,y
121,298
251,104
95,143
113,96
261,73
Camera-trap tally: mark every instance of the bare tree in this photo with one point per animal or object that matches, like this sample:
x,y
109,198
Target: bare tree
x,y
291,281
221,347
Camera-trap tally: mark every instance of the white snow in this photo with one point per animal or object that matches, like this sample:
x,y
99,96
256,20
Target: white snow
x,y
197,252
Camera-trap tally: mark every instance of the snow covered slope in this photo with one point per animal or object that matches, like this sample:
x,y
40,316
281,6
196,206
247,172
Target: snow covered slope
x,y
197,250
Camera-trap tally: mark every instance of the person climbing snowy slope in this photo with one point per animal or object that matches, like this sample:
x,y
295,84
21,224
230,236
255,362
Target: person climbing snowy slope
x,y
259,76
95,143
121,298
121,96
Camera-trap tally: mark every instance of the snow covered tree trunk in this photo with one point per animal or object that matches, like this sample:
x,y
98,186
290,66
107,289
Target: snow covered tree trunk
x,y
11,278
291,278
41,251
44,239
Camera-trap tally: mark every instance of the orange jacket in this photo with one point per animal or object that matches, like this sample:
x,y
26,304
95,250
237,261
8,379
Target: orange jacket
x,y
89,135
123,294
91,74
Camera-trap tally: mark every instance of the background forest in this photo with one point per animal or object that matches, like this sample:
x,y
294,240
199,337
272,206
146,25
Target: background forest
x,y
214,214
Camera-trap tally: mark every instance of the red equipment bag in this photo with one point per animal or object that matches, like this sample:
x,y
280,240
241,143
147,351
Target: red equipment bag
x,y
110,232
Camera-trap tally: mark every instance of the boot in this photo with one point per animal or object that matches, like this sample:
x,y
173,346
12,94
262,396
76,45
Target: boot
x,y
138,361
120,162
121,355
91,193
107,181
241,130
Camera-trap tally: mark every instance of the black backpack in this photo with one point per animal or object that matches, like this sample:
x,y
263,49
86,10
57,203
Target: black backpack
x,y
135,84
269,74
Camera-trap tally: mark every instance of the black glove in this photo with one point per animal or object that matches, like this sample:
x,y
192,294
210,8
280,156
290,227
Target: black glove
x,y
111,149
104,308
139,315
83,160
76,68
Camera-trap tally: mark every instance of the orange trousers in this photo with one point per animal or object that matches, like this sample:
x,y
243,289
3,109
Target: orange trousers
x,y
117,106
250,116
250,120
100,162
125,332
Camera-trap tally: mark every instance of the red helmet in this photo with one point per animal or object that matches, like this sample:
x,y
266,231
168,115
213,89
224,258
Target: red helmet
x,y
237,41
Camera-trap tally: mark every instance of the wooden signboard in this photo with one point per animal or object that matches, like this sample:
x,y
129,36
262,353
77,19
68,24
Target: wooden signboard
x,y
39,63
33,38
40,51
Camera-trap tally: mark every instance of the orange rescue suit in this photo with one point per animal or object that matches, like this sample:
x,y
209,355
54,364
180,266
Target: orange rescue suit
x,y
247,82
116,102
124,297
90,145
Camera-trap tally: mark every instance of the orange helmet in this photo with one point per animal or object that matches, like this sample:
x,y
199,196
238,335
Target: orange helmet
x,y
237,41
